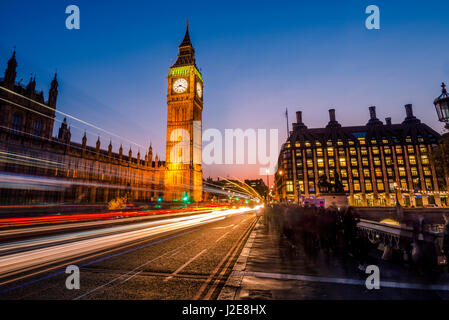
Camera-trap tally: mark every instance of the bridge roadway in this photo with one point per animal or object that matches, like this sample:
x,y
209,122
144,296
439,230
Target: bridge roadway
x,y
180,257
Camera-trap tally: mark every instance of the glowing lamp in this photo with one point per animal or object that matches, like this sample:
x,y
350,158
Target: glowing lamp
x,y
442,106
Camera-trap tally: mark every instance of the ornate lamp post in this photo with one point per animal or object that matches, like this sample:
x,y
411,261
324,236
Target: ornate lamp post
x,y
442,106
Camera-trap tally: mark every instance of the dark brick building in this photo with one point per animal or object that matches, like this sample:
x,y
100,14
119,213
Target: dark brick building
x,y
375,162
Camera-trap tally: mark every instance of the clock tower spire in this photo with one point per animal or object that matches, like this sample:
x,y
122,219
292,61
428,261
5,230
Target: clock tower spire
x,y
186,52
184,178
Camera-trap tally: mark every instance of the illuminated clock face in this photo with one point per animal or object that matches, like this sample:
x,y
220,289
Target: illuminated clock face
x,y
199,89
180,85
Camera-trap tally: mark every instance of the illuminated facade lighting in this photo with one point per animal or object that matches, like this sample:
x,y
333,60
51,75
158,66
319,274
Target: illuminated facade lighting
x,y
372,162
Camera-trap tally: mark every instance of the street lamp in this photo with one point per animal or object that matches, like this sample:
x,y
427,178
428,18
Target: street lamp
x,y
442,106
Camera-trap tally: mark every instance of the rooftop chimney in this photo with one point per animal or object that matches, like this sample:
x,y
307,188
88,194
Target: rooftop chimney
x,y
388,121
299,124
372,112
333,123
332,115
410,118
409,110
298,117
373,118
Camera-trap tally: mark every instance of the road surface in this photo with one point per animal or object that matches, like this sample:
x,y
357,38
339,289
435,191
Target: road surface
x,y
184,257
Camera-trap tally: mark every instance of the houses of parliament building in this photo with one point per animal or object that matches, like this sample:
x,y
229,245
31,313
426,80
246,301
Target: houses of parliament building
x,y
36,167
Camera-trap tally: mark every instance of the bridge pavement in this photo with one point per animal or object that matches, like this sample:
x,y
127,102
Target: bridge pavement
x,y
268,268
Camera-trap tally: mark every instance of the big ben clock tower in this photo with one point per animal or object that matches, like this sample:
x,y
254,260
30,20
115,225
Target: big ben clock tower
x,y
184,176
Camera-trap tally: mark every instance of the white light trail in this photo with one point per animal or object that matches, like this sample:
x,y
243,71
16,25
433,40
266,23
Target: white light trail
x,y
16,262
71,117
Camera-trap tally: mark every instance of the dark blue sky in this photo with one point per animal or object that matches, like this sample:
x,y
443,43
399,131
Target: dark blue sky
x,y
257,58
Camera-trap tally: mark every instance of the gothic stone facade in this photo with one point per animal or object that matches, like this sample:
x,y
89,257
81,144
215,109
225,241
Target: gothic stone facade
x,y
37,167
184,176
22,108
58,171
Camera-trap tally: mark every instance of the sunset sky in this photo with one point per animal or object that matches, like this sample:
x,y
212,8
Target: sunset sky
x,y
257,58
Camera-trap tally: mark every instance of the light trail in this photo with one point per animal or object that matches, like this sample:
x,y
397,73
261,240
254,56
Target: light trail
x,y
252,190
28,182
216,189
82,234
58,227
52,140
21,159
17,262
46,116
70,116
55,205
9,222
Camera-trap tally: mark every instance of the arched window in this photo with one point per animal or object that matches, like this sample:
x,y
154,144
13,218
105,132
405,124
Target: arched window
x,y
17,120
37,128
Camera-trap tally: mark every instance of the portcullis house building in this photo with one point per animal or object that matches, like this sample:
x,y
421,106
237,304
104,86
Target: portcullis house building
x,y
377,163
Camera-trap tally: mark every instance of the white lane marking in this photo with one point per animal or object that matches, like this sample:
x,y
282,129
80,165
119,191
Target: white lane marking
x,y
222,236
192,259
176,252
184,265
188,262
123,275
231,225
388,284
171,255
241,222
235,226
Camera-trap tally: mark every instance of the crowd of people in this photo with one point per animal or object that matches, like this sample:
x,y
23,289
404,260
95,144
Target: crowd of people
x,y
319,229
316,228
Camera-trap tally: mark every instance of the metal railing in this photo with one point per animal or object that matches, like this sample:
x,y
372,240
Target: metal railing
x,y
397,236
